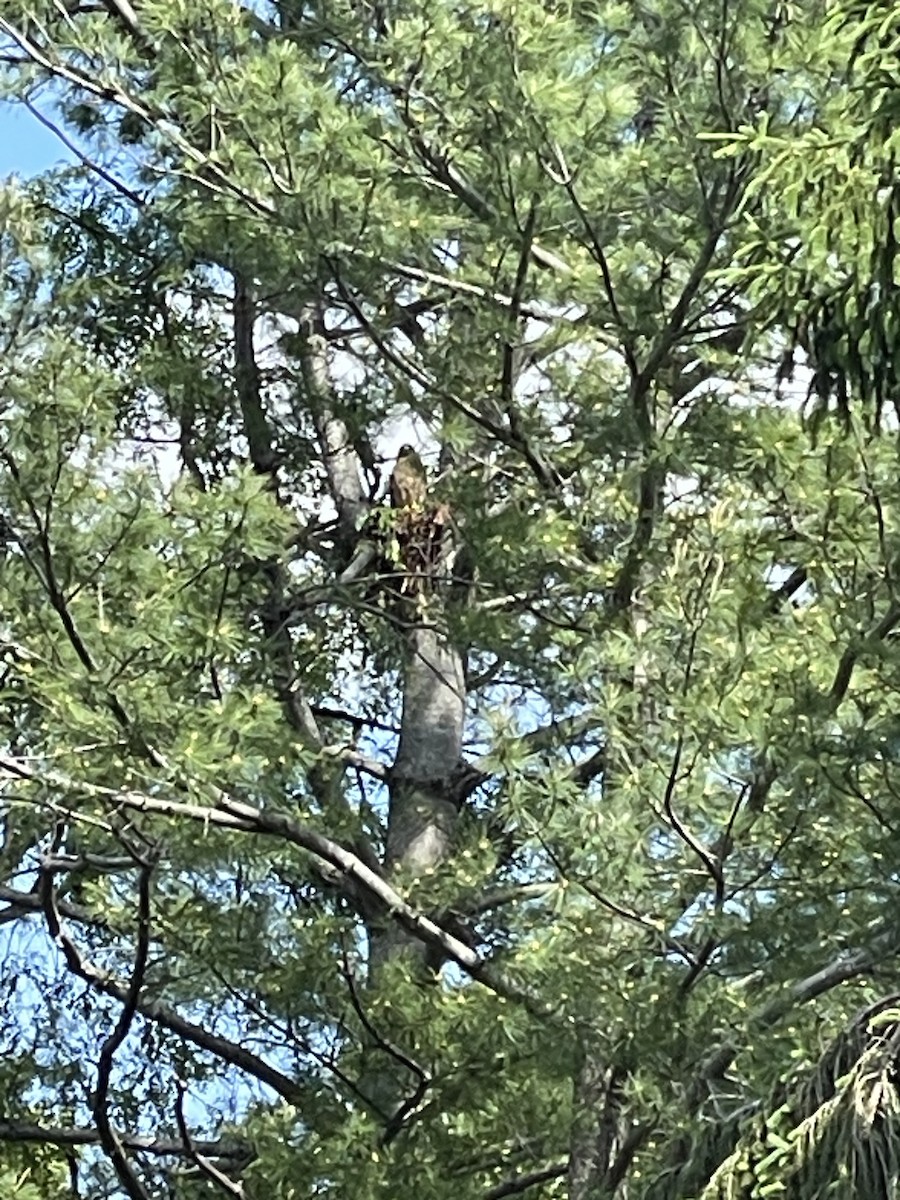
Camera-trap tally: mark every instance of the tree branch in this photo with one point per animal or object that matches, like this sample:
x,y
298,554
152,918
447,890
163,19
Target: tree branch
x,y
348,867
21,1132
197,1157
851,655
161,1015
517,1184
109,1138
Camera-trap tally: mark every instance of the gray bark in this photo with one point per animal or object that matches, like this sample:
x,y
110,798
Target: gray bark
x,y
341,462
421,813
422,817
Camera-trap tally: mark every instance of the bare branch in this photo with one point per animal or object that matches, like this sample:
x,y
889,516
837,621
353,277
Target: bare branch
x,y
109,1138
539,312
394,1124
256,425
517,1184
21,904
200,1161
92,165
26,1133
160,1014
567,180
348,868
340,459
851,655
122,11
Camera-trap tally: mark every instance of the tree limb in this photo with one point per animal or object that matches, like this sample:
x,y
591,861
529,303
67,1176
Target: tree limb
x,y
203,1164
233,814
109,1138
22,1132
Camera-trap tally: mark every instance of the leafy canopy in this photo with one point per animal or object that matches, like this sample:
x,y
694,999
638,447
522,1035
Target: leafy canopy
x,y
536,837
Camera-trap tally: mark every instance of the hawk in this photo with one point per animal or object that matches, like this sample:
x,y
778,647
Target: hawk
x,y
416,536
409,485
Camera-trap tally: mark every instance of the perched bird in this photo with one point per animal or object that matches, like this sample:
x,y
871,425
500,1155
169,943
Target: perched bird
x,y
415,540
409,485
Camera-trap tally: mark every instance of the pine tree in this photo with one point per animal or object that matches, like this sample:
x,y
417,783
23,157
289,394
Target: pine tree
x,y
532,833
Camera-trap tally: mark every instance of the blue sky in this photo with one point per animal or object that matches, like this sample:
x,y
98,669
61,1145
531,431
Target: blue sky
x,y
26,146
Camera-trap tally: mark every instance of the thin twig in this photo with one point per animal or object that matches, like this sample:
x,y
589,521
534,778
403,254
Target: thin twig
x,y
204,1165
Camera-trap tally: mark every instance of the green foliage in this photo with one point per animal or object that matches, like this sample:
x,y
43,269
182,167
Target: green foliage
x,y
542,852
820,255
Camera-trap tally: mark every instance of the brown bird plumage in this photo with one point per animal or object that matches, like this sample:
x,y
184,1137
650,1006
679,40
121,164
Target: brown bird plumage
x,y
409,484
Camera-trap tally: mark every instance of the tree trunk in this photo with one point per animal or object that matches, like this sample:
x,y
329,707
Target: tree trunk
x,y
422,813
